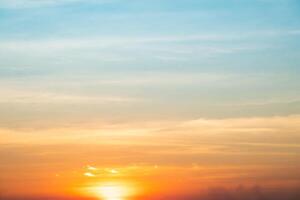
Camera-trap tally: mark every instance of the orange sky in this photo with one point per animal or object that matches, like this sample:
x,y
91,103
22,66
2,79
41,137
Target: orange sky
x,y
152,159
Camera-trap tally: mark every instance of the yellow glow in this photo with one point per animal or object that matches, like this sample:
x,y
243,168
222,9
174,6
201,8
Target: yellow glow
x,y
88,174
91,168
112,191
114,171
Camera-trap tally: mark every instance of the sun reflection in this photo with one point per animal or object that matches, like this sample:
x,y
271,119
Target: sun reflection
x,y
112,191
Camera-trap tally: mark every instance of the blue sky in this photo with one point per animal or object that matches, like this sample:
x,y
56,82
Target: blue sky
x,y
142,59
255,33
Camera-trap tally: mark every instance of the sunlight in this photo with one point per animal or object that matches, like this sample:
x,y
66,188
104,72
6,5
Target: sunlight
x,y
112,191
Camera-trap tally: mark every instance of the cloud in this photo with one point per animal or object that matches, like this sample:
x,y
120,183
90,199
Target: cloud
x,y
91,168
104,42
254,192
89,174
105,48
252,130
83,51
283,122
18,4
265,102
257,133
54,98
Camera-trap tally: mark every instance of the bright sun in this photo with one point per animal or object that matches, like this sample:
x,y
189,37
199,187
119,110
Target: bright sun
x,y
112,191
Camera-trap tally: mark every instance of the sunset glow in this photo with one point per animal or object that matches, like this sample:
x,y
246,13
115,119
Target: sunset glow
x,y
111,191
149,99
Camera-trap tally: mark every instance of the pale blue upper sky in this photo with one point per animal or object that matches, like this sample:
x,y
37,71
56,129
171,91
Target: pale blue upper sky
x,y
148,59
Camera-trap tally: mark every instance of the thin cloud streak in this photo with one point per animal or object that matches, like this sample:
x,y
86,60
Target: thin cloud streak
x,y
23,4
254,128
105,41
164,48
52,98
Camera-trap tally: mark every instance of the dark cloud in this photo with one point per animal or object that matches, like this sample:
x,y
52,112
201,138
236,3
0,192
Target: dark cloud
x,y
239,193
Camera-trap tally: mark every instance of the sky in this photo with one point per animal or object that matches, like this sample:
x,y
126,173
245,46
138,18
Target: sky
x,y
113,95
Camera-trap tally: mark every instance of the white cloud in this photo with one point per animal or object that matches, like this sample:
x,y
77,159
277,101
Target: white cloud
x,y
227,125
16,4
77,51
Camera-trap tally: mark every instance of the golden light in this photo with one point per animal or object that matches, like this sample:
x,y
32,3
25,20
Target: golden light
x,y
112,191
91,168
114,171
88,174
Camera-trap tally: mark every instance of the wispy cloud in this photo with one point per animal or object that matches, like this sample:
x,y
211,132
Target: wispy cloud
x,y
271,101
78,51
31,97
248,124
18,4
96,42
164,47
280,131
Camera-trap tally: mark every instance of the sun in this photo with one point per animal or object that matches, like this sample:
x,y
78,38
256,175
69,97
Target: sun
x,y
112,191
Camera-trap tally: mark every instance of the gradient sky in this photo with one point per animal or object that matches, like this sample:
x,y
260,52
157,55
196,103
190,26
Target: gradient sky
x,y
206,88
